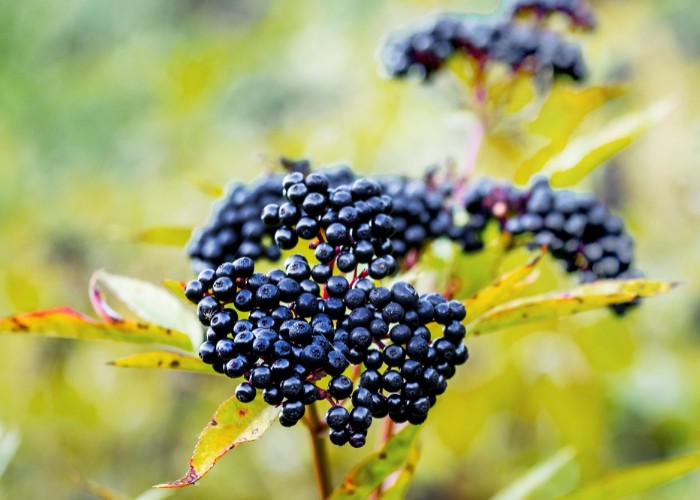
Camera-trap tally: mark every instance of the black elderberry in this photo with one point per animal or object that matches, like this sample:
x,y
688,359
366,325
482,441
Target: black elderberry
x,y
339,436
194,291
394,355
362,397
206,308
340,387
337,417
245,393
293,410
360,418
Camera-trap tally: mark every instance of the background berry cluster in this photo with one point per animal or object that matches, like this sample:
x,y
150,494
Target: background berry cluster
x,y
423,50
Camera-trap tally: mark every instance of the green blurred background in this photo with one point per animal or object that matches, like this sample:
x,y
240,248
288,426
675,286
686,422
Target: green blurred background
x,y
111,115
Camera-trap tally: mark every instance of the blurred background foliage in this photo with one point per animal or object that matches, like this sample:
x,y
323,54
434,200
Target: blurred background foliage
x,y
114,115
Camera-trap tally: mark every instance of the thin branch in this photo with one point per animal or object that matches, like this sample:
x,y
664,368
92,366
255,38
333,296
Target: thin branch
x,y
318,448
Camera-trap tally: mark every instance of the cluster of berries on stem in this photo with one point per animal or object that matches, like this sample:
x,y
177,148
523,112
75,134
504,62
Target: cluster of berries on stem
x,y
329,331
423,50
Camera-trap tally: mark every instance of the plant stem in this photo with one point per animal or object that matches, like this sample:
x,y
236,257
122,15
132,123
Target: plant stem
x,y
318,447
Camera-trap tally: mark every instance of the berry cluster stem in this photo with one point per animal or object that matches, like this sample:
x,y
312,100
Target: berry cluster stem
x,y
319,452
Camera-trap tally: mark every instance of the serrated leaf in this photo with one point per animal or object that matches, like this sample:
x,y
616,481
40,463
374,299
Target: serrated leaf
x,y
64,322
176,236
561,114
499,290
397,491
583,155
367,475
152,303
551,305
165,360
637,479
234,423
525,486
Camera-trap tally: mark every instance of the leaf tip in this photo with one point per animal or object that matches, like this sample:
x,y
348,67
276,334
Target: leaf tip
x,y
187,480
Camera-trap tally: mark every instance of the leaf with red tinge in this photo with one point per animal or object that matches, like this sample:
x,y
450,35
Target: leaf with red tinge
x,y
64,322
233,423
584,298
176,236
165,360
150,302
499,290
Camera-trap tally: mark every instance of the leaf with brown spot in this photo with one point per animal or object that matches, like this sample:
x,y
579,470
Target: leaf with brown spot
x,y
164,360
233,423
64,322
551,305
367,475
499,290
176,236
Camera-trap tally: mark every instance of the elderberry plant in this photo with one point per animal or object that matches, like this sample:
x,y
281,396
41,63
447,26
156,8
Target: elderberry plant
x,y
308,288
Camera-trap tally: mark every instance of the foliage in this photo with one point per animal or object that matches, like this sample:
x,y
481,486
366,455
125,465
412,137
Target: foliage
x,y
143,108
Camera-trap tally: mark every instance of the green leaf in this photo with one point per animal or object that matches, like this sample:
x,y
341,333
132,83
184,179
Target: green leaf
x,y
551,305
500,289
164,360
637,479
397,491
525,486
64,322
152,303
233,423
583,155
176,236
367,475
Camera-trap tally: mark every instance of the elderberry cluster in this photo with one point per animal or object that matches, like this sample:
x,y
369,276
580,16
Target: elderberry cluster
x,y
423,51
235,229
281,333
351,223
421,212
578,12
576,228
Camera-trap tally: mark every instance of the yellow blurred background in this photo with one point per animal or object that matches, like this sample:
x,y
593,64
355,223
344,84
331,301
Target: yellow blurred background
x,y
113,113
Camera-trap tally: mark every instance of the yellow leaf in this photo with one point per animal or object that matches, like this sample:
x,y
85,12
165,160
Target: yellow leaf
x,y
367,475
637,479
152,303
585,154
64,322
397,491
177,236
551,305
233,423
564,110
499,290
164,360
524,486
